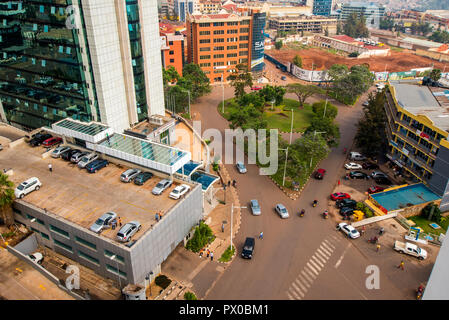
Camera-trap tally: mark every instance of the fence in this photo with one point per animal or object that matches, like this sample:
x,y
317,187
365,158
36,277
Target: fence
x,y
374,219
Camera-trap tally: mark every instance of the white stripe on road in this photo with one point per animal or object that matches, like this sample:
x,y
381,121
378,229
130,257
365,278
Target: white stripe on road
x,y
342,256
317,272
329,244
299,283
323,253
303,279
298,289
306,276
315,265
310,273
319,261
290,297
327,250
295,295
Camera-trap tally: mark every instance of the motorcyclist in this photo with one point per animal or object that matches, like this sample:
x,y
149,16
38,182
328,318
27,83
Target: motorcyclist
x,y
315,202
419,292
302,212
381,231
325,214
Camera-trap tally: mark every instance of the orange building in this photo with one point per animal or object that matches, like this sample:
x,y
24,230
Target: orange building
x,y
172,49
218,42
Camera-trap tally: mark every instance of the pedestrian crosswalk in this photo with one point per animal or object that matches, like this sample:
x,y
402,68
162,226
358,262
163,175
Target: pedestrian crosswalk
x,y
310,272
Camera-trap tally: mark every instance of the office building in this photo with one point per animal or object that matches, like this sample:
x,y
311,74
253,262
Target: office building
x,y
417,132
303,23
100,62
173,47
373,12
183,8
321,7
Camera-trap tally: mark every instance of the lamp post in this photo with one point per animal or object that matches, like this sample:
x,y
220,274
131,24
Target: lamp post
x,y
148,278
222,90
232,215
188,93
314,134
118,270
325,108
286,150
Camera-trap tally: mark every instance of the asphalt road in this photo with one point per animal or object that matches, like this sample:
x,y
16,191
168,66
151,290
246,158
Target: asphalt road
x,y
299,258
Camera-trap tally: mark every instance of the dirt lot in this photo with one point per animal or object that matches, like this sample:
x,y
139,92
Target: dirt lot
x,y
323,60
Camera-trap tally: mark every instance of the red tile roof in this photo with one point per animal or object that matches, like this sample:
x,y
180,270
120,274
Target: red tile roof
x,y
344,38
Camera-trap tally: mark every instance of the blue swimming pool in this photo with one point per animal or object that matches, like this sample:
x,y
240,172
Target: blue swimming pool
x,y
205,179
404,197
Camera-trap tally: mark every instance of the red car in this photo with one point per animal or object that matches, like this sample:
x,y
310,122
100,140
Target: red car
x,y
52,141
340,196
319,174
255,88
375,189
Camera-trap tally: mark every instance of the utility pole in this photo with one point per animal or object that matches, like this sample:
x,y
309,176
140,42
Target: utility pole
x,y
325,108
222,89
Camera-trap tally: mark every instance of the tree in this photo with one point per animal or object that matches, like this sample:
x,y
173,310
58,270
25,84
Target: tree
x,y
6,199
303,91
319,109
297,61
338,71
431,212
177,98
278,45
270,93
203,235
170,75
246,117
370,134
190,296
194,80
331,130
326,32
253,98
440,36
349,84
355,26
241,79
339,29
435,74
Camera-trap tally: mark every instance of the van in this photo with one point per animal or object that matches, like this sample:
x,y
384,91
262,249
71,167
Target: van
x,y
30,135
357,156
87,159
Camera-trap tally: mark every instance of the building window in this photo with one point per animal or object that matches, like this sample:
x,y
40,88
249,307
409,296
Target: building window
x,y
205,49
85,243
232,31
231,55
170,43
89,258
218,48
220,63
232,47
204,57
59,231
233,39
171,52
204,24
172,60
244,30
218,40
45,236
204,40
17,211
40,222
243,53
218,31
244,23
218,56
205,64
233,23
243,38
204,33
63,245
218,24
109,254
35,230
243,46
114,270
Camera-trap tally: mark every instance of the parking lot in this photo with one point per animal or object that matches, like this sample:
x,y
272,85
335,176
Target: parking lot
x,y
80,197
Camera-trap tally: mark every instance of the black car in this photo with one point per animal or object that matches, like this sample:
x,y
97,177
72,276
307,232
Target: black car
x,y
370,165
69,153
358,175
346,211
142,177
346,203
39,138
383,181
248,248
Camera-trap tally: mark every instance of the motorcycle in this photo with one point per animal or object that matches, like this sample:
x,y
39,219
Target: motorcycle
x,y
301,214
419,292
325,214
373,240
314,203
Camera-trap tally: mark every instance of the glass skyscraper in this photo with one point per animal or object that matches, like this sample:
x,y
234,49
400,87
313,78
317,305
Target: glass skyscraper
x,y
322,7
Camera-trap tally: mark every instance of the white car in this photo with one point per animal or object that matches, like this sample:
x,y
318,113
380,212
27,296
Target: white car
x,y
348,230
32,184
179,191
282,211
353,166
36,257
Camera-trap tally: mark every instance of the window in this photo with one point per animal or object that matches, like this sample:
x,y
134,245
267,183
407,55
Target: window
x,y
243,45
205,64
243,38
114,270
218,31
35,230
220,63
232,47
89,258
204,40
171,52
109,254
218,40
170,43
244,30
204,24
63,245
231,55
205,49
243,53
40,222
172,60
218,71
204,33
245,60
233,39
45,236
244,23
17,211
233,23
59,231
205,57
232,31
218,24
218,56
219,48
85,243
232,62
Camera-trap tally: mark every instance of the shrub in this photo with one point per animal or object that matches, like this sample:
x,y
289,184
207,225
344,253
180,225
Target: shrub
x,y
427,210
203,235
364,208
215,166
190,296
227,255
162,281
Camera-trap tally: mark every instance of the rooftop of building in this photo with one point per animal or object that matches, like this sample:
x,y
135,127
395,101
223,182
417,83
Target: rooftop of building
x,y
421,100
74,195
301,17
422,42
357,4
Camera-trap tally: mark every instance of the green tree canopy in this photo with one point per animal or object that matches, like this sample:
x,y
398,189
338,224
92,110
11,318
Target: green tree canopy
x,y
6,199
331,130
241,79
170,75
303,91
278,45
435,74
355,26
270,93
247,117
320,107
195,80
297,61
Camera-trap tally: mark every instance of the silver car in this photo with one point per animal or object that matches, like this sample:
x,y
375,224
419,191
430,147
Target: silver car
x,y
241,167
129,175
78,156
255,208
103,222
59,150
282,211
378,174
128,230
161,186
87,159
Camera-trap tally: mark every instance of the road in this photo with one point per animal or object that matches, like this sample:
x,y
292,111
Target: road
x,y
299,258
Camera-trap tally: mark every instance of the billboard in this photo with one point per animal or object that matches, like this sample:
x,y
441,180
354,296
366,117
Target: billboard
x,y
402,75
307,75
258,40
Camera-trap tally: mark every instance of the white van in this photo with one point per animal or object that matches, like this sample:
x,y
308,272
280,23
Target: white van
x,y
357,156
87,159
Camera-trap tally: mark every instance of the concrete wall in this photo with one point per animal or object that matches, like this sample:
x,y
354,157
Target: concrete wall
x,y
415,210
27,246
433,55
438,284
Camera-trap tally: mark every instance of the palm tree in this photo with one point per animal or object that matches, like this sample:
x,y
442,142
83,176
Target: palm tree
x,y
6,199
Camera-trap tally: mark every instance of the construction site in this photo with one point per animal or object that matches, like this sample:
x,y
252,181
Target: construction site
x,y
321,59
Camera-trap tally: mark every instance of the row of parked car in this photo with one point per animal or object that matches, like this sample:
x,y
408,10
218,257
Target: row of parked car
x,y
378,176
109,219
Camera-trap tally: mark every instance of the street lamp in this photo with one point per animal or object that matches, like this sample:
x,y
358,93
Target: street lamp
x,y
314,134
148,278
222,89
325,108
232,215
118,270
286,150
188,92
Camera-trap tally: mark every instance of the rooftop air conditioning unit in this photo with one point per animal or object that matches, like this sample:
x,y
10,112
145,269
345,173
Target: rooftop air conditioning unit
x,y
156,120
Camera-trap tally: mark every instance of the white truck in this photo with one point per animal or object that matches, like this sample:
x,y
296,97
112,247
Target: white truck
x,y
411,249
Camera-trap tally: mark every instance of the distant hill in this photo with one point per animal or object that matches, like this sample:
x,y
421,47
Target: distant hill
x,y
434,5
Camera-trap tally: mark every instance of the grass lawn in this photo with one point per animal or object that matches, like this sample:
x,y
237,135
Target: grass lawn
x,y
227,255
397,49
281,118
424,224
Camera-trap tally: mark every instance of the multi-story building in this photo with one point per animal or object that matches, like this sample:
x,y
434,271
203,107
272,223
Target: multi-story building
x,y
99,62
315,24
182,8
407,18
373,12
207,6
172,49
321,7
417,131
347,44
218,42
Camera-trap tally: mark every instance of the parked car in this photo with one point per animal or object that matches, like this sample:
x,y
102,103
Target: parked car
x,y
346,211
378,174
248,248
375,189
282,211
256,88
36,257
67,156
358,175
353,166
370,165
319,174
128,230
179,191
30,185
410,249
255,207
52,141
103,222
87,159
339,196
241,167
161,186
366,103
33,134
356,156
1,147
383,181
96,165
348,230
283,78
129,175
346,203
39,138
59,150
142,177
78,156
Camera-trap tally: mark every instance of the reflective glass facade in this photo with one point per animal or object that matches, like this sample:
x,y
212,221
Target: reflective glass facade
x,y
322,7
42,77
132,11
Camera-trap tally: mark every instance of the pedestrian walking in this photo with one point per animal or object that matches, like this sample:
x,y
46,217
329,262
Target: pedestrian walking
x,y
201,253
222,227
362,231
208,253
234,183
120,221
401,265
229,183
160,214
378,247
50,167
261,235
211,256
157,217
